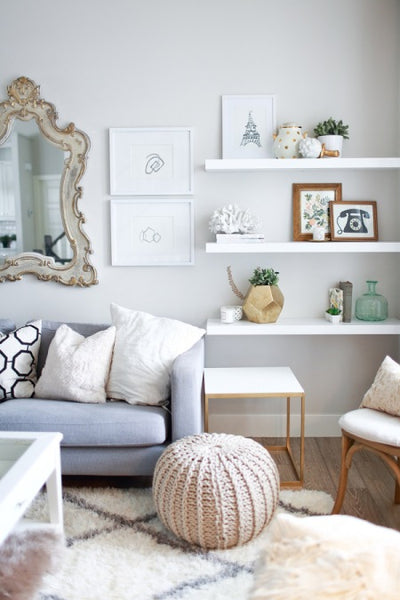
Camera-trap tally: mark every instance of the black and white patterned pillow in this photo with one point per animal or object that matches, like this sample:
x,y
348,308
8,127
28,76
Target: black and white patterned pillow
x,y
19,351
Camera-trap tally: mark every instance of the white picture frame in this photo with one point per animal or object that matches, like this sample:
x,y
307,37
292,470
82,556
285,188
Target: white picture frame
x,y
151,161
248,125
152,232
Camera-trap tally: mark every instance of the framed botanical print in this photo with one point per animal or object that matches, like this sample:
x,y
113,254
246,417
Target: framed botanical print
x,y
311,208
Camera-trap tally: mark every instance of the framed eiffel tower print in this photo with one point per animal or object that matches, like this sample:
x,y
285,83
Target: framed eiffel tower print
x,y
248,123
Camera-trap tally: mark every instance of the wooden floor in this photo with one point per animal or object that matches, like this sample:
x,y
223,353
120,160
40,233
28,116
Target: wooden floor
x,y
370,488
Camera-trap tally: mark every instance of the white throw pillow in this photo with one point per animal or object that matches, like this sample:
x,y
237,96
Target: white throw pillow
x,y
384,393
19,351
145,349
76,367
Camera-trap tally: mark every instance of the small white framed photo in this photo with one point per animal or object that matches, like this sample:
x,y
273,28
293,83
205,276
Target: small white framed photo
x,y
152,232
248,125
151,161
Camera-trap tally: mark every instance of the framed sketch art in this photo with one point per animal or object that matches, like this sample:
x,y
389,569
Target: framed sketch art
x,y
248,124
152,232
311,208
151,161
354,221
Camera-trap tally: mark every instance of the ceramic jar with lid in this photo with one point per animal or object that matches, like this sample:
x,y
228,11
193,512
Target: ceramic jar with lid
x,y
286,144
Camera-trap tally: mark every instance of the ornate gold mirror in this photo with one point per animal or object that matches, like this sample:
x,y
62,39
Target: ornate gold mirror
x,y
41,166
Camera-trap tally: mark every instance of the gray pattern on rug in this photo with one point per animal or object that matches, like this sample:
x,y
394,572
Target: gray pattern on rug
x,y
118,549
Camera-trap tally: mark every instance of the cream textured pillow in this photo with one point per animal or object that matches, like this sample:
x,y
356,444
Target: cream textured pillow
x,y
384,393
76,367
145,349
19,351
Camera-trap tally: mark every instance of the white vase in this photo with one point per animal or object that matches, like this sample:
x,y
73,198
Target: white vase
x,y
332,142
286,144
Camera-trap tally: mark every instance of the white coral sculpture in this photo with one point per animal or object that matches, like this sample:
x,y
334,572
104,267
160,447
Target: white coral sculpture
x,y
232,219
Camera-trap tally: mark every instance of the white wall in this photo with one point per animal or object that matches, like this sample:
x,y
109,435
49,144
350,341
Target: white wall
x,y
130,63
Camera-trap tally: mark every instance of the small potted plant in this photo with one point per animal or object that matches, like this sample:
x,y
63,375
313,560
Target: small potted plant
x,y
7,239
264,300
333,314
331,133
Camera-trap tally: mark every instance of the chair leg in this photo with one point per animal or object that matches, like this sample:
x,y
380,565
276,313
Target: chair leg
x,y
397,493
344,471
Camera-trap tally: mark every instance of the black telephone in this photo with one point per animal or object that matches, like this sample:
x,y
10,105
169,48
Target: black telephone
x,y
355,221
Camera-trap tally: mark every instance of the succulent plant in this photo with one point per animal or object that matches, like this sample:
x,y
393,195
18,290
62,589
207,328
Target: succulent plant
x,y
333,310
332,127
264,277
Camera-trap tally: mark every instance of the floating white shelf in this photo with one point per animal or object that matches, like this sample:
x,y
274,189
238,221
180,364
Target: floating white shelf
x,y
302,247
306,326
274,164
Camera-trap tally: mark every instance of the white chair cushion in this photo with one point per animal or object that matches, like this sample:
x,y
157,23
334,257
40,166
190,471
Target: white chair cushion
x,y
372,425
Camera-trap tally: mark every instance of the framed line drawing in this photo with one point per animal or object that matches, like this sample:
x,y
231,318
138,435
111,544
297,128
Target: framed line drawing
x,y
354,221
248,124
151,161
311,208
152,232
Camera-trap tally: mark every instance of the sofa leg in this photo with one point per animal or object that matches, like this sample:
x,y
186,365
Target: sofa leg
x,y
344,471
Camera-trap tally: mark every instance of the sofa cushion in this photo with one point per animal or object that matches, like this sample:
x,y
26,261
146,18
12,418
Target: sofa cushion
x,y
108,424
6,325
145,349
19,351
77,367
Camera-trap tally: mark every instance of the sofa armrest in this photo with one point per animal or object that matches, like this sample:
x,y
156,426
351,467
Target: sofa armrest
x,y
186,392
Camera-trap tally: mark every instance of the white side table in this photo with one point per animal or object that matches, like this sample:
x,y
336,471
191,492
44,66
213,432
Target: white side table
x,y
27,462
260,382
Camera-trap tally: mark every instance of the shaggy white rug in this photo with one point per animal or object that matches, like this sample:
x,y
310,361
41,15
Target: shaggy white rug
x,y
117,549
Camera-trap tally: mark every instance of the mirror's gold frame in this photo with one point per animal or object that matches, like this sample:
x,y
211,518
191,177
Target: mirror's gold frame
x,y
24,103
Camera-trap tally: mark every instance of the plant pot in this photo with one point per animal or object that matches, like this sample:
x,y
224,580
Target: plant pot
x,y
263,303
332,142
333,318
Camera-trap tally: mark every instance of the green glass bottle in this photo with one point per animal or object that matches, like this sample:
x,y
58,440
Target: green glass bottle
x,y
371,306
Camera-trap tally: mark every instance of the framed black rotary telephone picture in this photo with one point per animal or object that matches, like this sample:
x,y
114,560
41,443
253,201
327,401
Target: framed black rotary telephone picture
x,y
353,221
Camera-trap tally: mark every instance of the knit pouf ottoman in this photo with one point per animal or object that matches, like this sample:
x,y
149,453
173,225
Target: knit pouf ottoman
x,y
216,490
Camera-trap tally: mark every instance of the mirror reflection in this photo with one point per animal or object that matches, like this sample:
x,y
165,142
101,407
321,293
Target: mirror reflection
x,y
30,212
41,166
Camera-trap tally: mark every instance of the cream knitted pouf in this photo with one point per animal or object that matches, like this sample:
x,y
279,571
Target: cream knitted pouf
x,y
216,490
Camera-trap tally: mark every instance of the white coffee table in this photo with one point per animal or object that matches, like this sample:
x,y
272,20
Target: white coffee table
x,y
27,462
260,382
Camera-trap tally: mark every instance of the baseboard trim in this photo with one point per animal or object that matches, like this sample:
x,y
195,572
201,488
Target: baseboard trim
x,y
256,425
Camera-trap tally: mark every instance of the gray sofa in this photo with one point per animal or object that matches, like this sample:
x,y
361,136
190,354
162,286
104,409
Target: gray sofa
x,y
115,438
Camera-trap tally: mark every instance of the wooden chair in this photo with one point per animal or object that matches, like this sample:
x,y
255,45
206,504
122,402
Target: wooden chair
x,y
373,430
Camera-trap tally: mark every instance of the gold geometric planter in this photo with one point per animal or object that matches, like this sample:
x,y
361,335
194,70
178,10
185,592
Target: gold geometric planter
x,y
263,303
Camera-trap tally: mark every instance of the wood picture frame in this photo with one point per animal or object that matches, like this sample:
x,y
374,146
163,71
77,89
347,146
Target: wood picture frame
x,y
354,221
311,208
